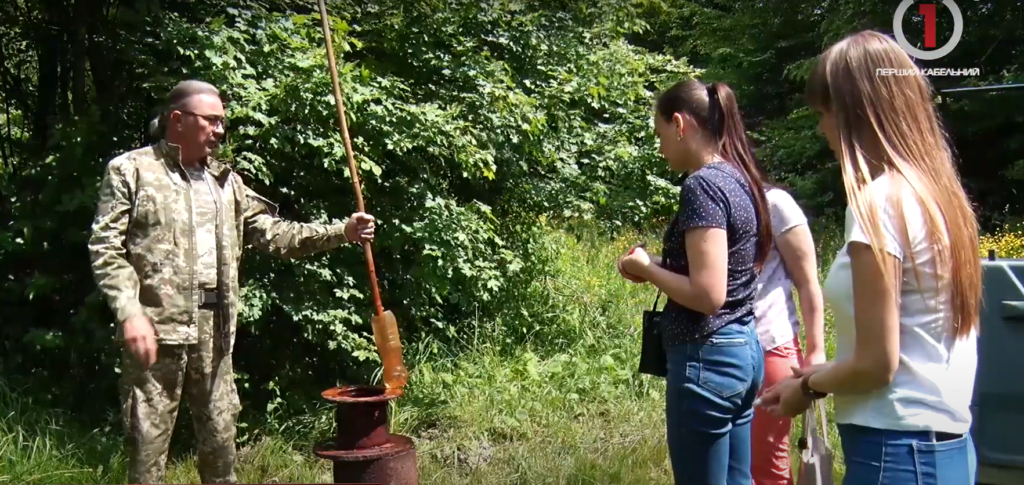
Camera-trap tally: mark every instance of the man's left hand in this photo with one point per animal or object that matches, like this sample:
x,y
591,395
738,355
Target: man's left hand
x,y
359,228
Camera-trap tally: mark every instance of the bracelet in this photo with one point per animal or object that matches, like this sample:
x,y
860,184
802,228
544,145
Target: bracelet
x,y
805,387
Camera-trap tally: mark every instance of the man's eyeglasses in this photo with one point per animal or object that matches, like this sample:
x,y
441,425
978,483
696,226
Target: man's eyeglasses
x,y
214,120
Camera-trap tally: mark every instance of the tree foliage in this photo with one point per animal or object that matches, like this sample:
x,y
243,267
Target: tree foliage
x,y
475,124
764,50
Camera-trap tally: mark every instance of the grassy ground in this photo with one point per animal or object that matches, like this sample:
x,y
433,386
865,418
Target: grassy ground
x,y
572,415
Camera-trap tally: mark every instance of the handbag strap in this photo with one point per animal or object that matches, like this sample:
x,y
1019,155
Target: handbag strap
x,y
663,264
811,430
821,416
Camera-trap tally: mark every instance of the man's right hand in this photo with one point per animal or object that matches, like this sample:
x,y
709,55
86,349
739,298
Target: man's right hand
x,y
140,339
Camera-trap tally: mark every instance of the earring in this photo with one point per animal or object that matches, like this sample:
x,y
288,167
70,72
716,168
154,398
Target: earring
x,y
679,137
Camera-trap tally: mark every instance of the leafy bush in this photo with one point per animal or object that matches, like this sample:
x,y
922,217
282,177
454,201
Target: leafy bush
x,y
472,126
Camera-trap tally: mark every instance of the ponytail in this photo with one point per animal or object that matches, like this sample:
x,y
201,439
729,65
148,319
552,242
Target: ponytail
x,y
734,146
158,126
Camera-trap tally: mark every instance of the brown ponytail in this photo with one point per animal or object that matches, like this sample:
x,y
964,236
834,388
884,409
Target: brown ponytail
x,y
715,109
734,146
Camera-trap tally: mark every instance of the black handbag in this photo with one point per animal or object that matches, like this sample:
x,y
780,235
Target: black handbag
x,y
653,360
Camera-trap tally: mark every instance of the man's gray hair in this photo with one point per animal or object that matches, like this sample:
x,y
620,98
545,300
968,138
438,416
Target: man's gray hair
x,y
175,99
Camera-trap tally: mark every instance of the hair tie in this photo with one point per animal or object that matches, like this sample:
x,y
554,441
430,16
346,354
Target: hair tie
x,y
715,114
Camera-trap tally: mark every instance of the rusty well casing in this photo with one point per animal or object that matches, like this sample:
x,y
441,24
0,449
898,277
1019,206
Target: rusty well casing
x,y
364,450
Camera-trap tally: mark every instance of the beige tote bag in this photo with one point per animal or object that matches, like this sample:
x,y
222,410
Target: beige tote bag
x,y
815,455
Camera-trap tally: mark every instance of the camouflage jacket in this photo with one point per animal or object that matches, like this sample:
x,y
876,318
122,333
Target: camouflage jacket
x,y
143,243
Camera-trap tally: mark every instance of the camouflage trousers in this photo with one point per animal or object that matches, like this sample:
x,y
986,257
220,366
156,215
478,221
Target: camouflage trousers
x,y
149,408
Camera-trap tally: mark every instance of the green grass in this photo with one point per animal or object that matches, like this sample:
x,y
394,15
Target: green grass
x,y
573,413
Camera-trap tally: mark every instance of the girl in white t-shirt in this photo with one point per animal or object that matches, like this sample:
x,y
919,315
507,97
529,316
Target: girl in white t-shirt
x,y
791,264
905,289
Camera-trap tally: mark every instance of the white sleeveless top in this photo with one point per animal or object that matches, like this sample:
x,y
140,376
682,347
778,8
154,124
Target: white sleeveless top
x,y
774,306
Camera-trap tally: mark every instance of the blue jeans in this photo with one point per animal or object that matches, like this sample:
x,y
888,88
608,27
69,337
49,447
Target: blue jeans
x,y
886,457
711,386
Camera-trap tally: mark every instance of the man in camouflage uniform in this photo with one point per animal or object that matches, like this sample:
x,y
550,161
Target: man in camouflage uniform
x,y
166,244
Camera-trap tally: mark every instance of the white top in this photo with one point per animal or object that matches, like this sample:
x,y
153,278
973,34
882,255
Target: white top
x,y
934,380
774,307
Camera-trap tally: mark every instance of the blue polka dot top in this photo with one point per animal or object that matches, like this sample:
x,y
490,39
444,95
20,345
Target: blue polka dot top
x,y
716,195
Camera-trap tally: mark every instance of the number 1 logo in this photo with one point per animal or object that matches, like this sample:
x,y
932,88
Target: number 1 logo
x,y
928,11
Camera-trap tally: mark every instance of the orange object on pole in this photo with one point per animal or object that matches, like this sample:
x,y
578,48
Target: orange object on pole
x,y
385,328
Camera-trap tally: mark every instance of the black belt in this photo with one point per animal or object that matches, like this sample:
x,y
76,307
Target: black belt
x,y
943,436
208,298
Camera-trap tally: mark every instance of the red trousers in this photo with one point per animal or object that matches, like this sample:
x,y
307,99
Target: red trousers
x,y
769,435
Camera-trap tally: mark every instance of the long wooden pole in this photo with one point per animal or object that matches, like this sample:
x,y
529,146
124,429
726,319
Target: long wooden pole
x,y
343,124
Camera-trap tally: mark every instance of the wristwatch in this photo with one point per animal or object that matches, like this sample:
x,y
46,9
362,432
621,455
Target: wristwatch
x,y
805,387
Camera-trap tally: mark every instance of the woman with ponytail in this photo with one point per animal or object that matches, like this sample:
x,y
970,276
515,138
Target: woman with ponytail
x,y
712,253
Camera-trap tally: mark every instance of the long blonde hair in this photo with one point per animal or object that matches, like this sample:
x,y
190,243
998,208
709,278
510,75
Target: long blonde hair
x,y
889,125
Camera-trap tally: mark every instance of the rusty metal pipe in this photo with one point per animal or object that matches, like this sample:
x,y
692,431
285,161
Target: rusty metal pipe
x,y
392,464
362,422
364,450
